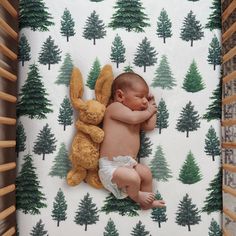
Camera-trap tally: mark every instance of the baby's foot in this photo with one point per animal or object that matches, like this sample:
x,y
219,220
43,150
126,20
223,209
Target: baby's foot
x,y
145,198
154,204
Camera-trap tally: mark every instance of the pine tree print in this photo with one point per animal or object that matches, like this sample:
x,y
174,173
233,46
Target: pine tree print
x,y
212,144
214,229
188,213
93,74
50,53
188,120
193,80
163,75
213,201
129,15
33,14
110,229
20,138
23,50
192,29
87,213
65,71
67,25
190,171
45,143
96,0
61,163
94,28
117,51
164,26
38,229
214,53
29,198
65,113
214,20
139,230
159,167
128,68
123,207
32,98
162,116
59,208
145,55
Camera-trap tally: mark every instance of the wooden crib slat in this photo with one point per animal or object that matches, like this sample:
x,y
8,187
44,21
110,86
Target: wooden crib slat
x,y
8,75
229,213
4,214
7,28
7,143
229,190
228,122
7,189
229,54
8,52
225,232
229,167
11,10
229,77
8,166
228,11
7,121
229,99
8,97
10,232
229,32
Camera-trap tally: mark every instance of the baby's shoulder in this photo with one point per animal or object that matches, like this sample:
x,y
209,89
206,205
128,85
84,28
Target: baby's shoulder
x,y
114,105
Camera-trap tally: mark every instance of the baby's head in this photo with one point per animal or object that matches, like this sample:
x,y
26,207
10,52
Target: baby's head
x,y
131,90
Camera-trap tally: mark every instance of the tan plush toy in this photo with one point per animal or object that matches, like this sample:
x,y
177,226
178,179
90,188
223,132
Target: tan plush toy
x,y
85,146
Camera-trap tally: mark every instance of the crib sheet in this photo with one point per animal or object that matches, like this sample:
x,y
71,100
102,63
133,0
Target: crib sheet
x,y
175,46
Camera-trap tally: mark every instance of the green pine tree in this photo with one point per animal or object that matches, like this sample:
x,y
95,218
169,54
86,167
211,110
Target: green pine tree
x,y
128,68
32,98
59,208
87,213
193,79
33,14
23,50
214,53
212,144
190,171
61,163
29,198
188,120
139,230
45,143
123,207
214,20
188,213
38,229
145,55
117,51
110,229
192,29
20,138
94,28
163,75
93,74
159,166
50,53
65,71
214,229
164,26
129,15
67,25
213,201
162,116
65,113
159,214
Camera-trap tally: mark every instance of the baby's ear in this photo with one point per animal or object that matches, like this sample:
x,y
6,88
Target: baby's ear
x,y
103,85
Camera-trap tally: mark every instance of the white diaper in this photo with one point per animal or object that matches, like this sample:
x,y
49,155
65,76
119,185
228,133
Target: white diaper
x,y
107,168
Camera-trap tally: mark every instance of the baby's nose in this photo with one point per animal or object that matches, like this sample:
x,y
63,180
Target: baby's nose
x,y
145,101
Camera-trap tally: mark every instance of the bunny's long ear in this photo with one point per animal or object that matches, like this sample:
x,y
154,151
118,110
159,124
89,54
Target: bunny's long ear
x,y
103,85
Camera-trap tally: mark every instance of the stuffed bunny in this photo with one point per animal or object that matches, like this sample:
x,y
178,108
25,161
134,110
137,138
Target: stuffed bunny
x,y
84,154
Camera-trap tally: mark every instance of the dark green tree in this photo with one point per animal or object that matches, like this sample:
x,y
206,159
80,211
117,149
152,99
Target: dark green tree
x,y
45,142
65,71
193,79
190,171
128,68
110,229
188,213
123,207
94,28
163,75
59,208
67,25
65,113
164,26
159,214
129,15
212,144
188,120
29,198
214,229
50,53
33,14
159,166
139,230
214,53
214,20
20,138
23,50
87,213
162,116
38,229
117,51
93,74
32,98
145,55
213,201
192,29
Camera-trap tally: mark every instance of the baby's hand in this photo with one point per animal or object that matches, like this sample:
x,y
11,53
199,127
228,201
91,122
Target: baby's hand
x,y
150,97
152,107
